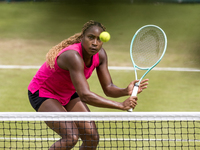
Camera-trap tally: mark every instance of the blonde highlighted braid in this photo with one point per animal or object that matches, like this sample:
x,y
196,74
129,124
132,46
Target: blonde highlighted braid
x,y
76,38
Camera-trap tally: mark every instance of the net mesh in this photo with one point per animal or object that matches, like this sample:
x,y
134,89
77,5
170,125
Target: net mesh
x,y
123,131
148,46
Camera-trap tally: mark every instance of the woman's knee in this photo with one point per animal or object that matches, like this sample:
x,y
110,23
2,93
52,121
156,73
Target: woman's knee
x,y
66,142
70,140
95,139
74,138
67,130
91,139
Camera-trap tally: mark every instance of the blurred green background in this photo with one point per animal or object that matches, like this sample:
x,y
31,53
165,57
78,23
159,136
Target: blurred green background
x,y
29,29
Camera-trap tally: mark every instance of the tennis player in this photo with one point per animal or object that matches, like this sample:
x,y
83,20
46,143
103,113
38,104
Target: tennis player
x,y
60,85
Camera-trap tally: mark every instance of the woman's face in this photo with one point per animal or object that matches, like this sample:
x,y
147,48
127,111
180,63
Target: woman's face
x,y
90,41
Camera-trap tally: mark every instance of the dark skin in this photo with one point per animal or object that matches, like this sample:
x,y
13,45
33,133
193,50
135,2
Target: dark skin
x,y
71,60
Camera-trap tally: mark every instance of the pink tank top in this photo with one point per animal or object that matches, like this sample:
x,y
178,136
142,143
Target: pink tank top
x,y
56,83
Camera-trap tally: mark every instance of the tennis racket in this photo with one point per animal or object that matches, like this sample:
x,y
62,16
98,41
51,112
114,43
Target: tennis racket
x,y
147,48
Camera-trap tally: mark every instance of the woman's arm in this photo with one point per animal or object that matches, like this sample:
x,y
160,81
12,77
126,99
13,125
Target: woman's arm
x,y
72,61
106,81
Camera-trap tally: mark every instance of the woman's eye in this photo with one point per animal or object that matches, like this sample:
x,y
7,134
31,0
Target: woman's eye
x,y
90,37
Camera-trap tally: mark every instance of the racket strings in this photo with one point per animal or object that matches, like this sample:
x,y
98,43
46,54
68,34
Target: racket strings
x,y
148,47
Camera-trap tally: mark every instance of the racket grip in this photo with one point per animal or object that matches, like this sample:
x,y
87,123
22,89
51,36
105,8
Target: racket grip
x,y
134,93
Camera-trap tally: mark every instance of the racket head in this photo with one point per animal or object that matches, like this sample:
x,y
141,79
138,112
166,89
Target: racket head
x,y
148,47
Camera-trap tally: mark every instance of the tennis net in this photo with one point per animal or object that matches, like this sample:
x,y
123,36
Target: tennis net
x,y
116,130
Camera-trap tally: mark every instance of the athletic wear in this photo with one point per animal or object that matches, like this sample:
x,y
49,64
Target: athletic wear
x,y
56,83
36,101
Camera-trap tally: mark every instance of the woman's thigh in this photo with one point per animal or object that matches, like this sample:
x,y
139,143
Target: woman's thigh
x,y
85,127
63,128
51,105
76,105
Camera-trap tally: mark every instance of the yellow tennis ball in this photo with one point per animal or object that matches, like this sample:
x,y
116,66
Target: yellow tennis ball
x,y
104,36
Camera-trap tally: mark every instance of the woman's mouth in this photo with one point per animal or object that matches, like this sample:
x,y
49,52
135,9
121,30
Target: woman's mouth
x,y
93,49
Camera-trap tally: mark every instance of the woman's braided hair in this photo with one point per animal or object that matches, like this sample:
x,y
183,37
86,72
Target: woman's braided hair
x,y
76,38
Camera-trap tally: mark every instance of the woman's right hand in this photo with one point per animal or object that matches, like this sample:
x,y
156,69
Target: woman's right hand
x,y
131,102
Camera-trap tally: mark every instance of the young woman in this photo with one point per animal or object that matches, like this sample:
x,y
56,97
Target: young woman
x,y
60,85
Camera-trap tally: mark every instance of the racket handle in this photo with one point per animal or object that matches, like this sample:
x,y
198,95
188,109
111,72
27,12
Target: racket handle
x,y
134,93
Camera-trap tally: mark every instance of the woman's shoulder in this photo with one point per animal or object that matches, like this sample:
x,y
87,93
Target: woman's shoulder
x,y
102,53
102,56
76,47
